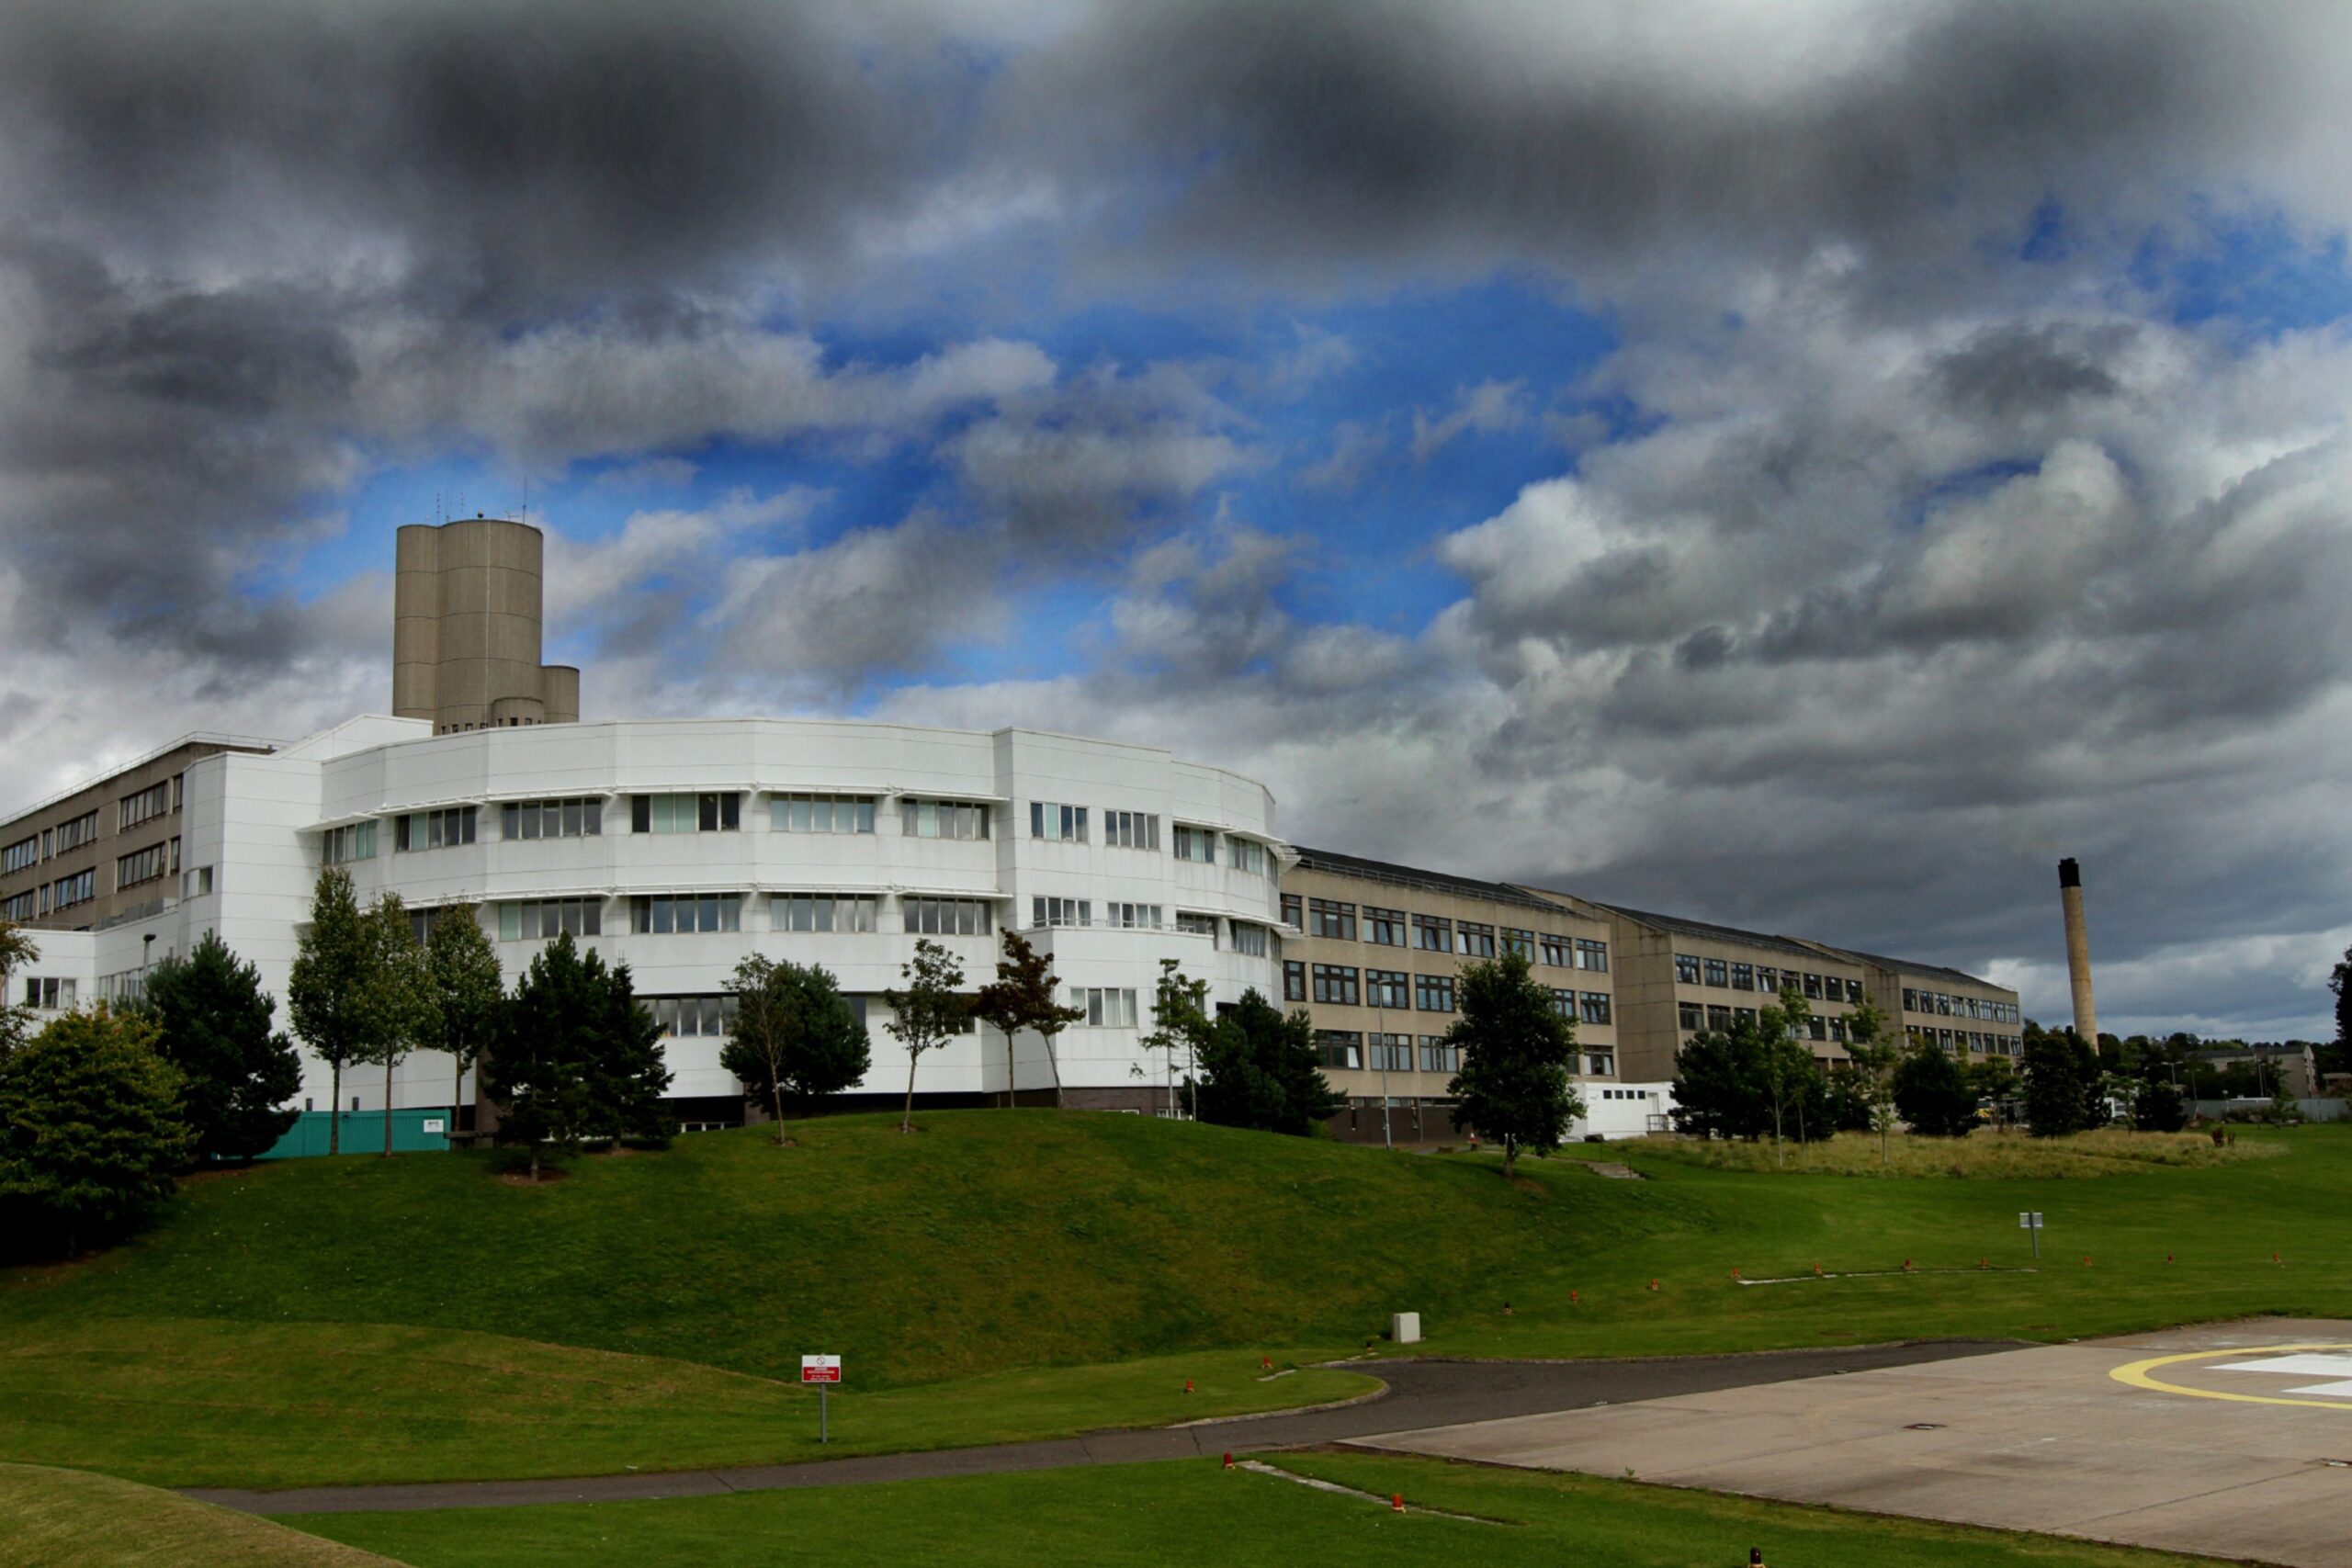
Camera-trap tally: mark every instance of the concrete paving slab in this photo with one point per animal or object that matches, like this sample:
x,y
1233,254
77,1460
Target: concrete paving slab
x,y
2210,1440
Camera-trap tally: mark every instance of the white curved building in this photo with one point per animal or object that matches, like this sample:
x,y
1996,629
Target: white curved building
x,y
679,846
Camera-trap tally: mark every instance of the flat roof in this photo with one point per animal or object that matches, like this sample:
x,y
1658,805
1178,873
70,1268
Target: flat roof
x,y
1429,881
1908,968
193,737
1712,933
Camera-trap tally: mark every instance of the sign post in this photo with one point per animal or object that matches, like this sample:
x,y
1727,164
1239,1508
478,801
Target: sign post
x,y
2030,1220
824,1371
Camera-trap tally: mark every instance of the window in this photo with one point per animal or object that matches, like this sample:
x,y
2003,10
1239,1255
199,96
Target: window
x,y
1434,993
1817,1027
1340,1048
820,813
74,834
1745,1015
1131,830
1477,941
50,993
1439,1056
1743,977
1198,925
1718,1018
935,916
1065,824
145,865
1385,927
1137,917
693,1017
1061,911
1388,987
1813,986
1251,940
1519,941
432,829
422,921
145,806
1107,1007
531,919
1329,919
1563,1003
1557,951
18,856
1195,844
1392,1052
660,914
1293,980
1431,934
942,819
1593,1007
828,911
18,907
704,813
1718,973
1335,984
1293,911
1601,1065
1853,990
1686,969
1242,855
581,816
341,846
1767,978
1691,1015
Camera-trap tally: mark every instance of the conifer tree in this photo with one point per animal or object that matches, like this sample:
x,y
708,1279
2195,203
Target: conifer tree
x,y
327,994
468,988
213,1025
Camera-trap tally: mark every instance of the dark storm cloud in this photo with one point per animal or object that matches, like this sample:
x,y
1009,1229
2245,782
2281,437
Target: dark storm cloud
x,y
2015,370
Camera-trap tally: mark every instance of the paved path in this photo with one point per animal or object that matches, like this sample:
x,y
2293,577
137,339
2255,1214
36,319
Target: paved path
x,y
1421,1393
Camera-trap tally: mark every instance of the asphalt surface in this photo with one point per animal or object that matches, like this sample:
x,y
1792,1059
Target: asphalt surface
x,y
1421,1395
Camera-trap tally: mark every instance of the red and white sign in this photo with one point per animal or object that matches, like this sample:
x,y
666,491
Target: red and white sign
x,y
821,1369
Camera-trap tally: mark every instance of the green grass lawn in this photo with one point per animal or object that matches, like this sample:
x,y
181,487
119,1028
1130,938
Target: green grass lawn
x,y
1170,1515
67,1519
1045,1244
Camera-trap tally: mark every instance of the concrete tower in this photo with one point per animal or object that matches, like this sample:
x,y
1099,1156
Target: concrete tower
x,y
2078,949
466,629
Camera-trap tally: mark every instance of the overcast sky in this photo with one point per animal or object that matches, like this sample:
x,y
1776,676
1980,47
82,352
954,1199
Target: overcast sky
x,y
1807,466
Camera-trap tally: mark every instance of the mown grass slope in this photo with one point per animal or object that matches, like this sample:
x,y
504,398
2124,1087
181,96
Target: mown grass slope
x,y
997,1241
66,1518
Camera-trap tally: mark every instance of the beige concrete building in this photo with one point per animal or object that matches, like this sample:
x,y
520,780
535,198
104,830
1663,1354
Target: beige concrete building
x,y
1373,951
466,629
1972,1018
107,851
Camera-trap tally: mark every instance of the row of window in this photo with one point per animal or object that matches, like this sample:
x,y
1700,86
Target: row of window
x,y
581,816
448,826
150,865
354,841
1725,975
20,855
1335,920
532,919
1590,1007
31,850
1348,1050
1961,1042
1716,1016
1106,1007
1338,985
50,993
51,897
1942,1005
146,805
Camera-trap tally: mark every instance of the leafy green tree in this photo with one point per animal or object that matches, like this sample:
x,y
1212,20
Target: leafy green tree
x,y
1933,1094
326,993
1874,1057
926,1012
1021,996
2339,980
17,949
2158,1107
212,1021
1259,1070
468,989
793,1033
90,1132
2064,1085
1516,1049
550,1046
401,1011
1721,1089
1799,1091
1180,1021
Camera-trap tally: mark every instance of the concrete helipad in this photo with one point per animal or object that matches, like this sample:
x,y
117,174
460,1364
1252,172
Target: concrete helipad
x,y
2234,1440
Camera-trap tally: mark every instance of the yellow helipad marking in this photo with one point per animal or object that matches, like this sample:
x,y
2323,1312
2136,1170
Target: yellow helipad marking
x,y
2139,1374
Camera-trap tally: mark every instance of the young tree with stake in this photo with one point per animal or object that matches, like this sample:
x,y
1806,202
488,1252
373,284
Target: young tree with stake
x,y
1180,1019
401,1008
468,987
326,993
793,1033
1021,996
927,1012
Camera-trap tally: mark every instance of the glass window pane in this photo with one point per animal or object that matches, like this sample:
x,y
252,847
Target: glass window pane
x,y
510,922
664,913
730,912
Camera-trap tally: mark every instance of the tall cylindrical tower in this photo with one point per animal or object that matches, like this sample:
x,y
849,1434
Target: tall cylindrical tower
x,y
466,629
2078,949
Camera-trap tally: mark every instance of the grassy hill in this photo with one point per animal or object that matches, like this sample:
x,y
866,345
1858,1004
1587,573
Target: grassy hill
x,y
65,1519
256,1327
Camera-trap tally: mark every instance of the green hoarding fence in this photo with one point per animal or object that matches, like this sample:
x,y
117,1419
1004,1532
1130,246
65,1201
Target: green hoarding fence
x,y
414,1132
